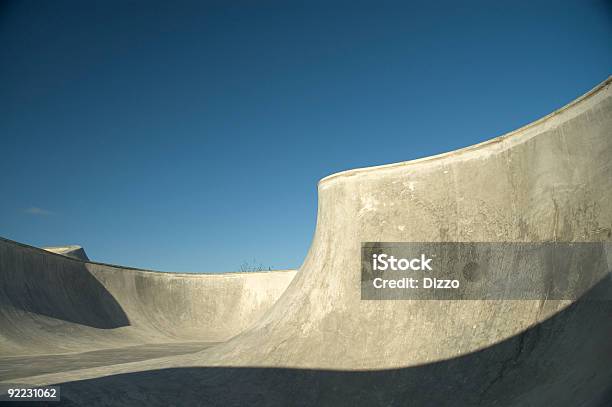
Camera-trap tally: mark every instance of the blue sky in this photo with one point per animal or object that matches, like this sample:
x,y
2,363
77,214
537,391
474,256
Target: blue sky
x,y
190,136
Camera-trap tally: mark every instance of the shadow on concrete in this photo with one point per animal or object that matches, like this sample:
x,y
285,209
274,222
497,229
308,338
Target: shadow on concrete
x,y
564,361
56,287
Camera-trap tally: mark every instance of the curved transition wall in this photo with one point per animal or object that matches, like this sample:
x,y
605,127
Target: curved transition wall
x,y
550,181
53,304
321,344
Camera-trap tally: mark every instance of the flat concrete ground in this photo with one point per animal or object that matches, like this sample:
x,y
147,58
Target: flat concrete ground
x,y
16,367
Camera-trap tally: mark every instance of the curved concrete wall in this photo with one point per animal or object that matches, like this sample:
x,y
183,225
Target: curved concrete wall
x,y
548,181
53,304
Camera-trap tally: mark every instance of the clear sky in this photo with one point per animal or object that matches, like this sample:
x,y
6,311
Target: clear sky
x,y
190,136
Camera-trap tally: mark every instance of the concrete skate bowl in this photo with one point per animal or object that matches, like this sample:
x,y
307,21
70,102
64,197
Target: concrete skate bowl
x,y
321,344
56,305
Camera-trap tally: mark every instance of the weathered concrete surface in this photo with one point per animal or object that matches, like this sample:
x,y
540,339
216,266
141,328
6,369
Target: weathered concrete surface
x,y
321,345
55,304
14,367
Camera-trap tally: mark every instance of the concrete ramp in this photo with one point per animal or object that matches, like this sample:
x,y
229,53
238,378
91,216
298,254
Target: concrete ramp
x,y
548,181
321,344
74,251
